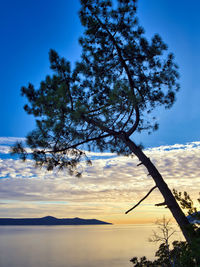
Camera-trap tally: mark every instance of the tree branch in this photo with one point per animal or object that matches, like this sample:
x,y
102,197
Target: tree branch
x,y
128,119
70,95
161,204
141,199
98,109
100,126
123,62
134,127
78,144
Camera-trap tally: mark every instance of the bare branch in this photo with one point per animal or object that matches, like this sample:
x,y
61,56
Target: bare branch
x,y
128,119
134,127
161,204
78,144
141,199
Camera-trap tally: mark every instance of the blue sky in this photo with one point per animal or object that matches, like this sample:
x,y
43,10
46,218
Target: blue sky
x,y
30,28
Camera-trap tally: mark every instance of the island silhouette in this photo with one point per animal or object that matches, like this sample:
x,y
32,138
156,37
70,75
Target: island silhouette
x,y
49,220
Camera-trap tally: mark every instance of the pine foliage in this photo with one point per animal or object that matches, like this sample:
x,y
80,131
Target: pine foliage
x,y
112,91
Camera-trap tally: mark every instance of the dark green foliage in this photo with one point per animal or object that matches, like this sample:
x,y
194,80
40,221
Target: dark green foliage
x,y
18,149
112,90
182,254
186,203
142,262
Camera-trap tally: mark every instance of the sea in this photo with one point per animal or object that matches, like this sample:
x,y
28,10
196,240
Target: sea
x,y
75,246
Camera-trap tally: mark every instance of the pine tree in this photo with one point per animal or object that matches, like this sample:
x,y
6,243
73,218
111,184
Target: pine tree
x,y
109,95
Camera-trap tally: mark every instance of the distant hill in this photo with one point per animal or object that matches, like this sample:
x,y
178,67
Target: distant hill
x,y
49,220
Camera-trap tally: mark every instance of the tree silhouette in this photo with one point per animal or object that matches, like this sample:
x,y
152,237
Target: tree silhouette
x,y
182,254
109,95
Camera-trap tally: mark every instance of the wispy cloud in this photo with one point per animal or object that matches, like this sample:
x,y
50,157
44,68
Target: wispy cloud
x,y
11,140
110,186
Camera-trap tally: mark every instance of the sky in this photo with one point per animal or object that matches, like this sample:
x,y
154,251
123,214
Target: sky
x,y
113,184
108,188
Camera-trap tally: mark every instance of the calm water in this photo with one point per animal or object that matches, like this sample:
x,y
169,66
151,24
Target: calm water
x,y
74,246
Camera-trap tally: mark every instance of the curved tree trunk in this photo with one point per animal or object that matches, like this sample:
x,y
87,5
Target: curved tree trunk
x,y
169,199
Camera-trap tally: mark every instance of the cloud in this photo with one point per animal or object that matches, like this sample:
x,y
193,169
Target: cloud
x,y
112,184
11,140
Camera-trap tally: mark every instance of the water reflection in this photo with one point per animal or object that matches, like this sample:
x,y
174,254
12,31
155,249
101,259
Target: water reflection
x,y
74,246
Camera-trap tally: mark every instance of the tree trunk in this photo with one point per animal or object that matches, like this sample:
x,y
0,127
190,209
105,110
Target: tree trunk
x,y
164,189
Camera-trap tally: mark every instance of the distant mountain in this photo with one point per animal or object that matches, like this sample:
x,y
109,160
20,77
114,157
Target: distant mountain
x,y
49,220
